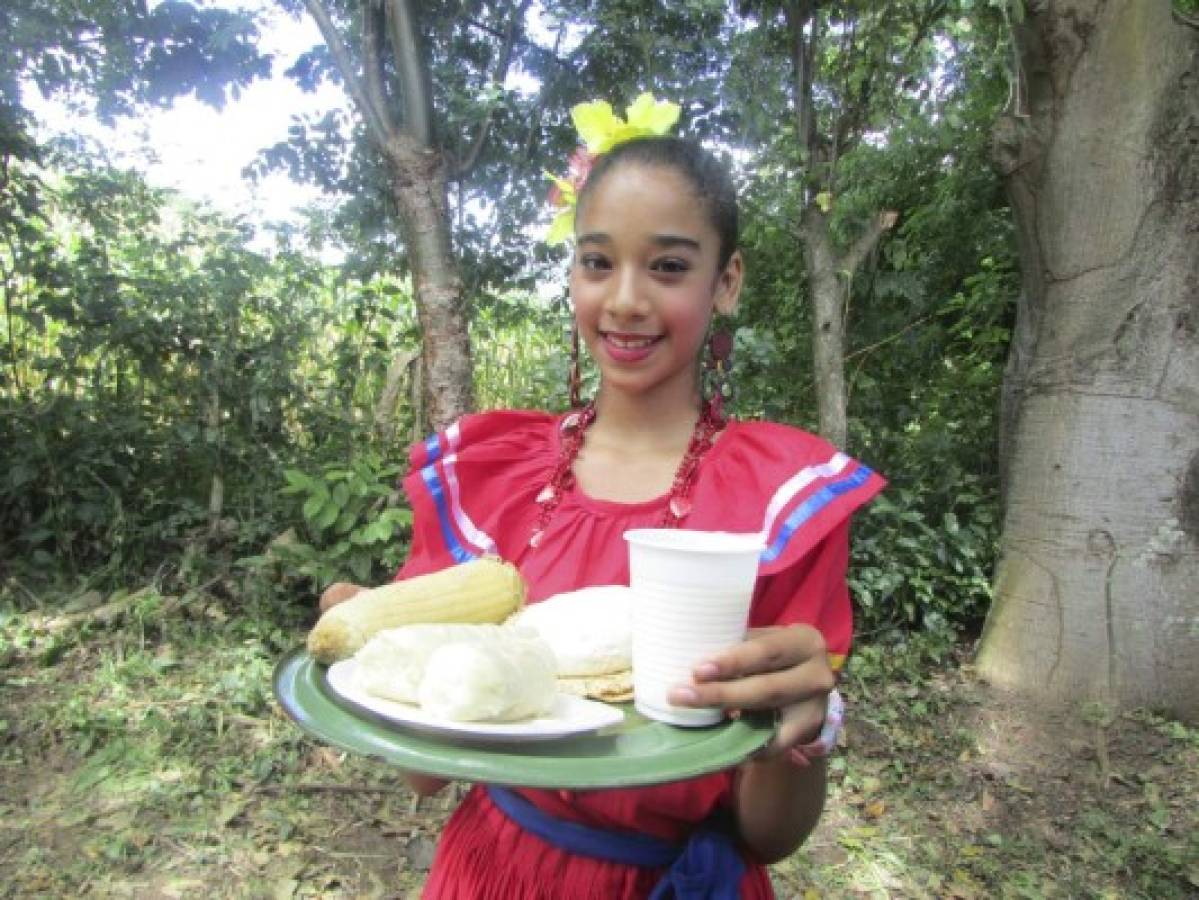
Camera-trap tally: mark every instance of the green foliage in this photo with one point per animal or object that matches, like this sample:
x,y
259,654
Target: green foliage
x,y
157,376
352,526
907,571
126,54
522,355
928,315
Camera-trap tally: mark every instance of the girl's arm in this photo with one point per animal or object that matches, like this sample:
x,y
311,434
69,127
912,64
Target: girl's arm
x,y
423,785
777,802
338,592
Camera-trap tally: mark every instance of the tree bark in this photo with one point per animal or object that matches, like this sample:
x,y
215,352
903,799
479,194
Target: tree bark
x,y
418,170
828,327
216,485
418,180
828,277
1097,589
393,384
828,272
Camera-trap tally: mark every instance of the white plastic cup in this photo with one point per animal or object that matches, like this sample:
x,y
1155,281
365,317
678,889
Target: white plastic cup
x,y
693,591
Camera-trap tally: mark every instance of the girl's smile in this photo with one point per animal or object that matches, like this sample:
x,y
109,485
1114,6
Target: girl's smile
x,y
628,348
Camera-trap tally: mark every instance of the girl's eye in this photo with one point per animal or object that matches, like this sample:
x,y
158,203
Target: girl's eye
x,y
671,266
593,262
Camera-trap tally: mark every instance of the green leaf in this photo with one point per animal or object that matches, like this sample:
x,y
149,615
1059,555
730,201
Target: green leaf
x,y
360,568
327,515
313,507
297,480
341,495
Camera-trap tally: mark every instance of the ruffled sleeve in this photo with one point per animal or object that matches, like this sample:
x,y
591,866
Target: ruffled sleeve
x,y
472,488
798,493
791,487
813,592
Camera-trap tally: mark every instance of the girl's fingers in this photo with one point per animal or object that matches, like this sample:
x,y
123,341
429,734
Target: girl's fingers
x,y
767,690
764,650
799,724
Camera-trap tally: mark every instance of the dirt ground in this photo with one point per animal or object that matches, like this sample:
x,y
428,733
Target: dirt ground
x,y
149,776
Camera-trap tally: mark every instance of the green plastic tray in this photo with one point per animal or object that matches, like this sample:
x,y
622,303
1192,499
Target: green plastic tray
x,y
636,752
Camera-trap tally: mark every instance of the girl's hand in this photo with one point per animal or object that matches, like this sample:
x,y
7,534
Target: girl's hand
x,y
338,592
423,785
785,668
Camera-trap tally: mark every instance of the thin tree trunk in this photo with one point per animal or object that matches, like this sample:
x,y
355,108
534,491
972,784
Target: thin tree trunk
x,y
828,272
1097,590
393,385
418,168
829,275
419,188
216,486
828,327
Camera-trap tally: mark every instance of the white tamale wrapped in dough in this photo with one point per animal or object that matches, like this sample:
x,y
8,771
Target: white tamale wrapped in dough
x,y
507,679
589,629
392,664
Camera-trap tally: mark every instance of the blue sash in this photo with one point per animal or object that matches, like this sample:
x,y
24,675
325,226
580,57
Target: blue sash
x,y
707,867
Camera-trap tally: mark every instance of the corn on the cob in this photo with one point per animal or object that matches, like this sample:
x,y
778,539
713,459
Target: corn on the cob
x,y
482,590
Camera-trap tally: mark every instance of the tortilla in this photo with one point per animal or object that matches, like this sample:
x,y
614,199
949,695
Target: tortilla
x,y
616,687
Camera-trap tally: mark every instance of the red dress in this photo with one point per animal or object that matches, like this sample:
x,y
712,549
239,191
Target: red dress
x,y
473,489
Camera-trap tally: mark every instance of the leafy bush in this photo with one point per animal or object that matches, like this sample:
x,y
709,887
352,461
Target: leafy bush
x,y
522,355
907,571
158,376
351,524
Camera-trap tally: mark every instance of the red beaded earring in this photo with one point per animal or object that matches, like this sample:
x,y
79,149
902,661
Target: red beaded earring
x,y
718,366
574,384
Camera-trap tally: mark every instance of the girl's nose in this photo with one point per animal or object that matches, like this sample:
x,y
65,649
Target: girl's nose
x,y
624,299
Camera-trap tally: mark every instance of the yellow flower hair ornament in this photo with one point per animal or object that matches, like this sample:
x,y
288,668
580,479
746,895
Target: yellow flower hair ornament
x,y
600,130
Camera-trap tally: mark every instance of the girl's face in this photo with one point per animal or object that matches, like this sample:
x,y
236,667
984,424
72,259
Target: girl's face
x,y
645,282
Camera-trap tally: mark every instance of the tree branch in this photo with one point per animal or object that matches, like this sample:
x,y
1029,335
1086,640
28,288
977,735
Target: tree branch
x,y
345,65
803,52
852,258
1184,19
857,115
503,62
372,65
853,112
547,85
533,47
413,72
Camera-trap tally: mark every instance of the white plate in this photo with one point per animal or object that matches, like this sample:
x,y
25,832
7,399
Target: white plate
x,y
569,716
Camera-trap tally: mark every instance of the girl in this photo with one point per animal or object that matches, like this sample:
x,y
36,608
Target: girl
x,y
655,259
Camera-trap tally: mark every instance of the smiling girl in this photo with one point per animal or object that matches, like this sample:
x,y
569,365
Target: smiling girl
x,y
655,259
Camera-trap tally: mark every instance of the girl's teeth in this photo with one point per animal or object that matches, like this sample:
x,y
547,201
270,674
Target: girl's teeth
x,y
631,343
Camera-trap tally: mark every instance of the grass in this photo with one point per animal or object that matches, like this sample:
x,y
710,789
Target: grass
x,y
146,757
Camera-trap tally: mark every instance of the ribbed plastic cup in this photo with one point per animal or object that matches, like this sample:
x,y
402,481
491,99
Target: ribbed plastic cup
x,y
693,592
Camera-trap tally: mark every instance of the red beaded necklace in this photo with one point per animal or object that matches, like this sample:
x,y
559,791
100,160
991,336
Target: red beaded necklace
x,y
573,427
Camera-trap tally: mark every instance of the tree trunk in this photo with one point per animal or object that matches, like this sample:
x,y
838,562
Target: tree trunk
x,y
398,372
829,274
828,327
1097,590
216,486
419,188
418,170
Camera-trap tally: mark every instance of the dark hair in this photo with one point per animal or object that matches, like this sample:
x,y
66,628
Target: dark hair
x,y
707,175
